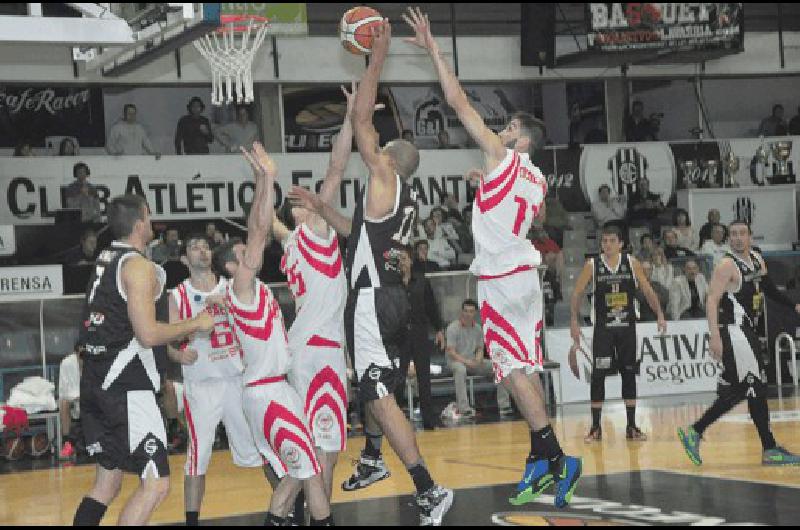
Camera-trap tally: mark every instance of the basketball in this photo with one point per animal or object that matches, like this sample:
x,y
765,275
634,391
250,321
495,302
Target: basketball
x,y
37,445
356,27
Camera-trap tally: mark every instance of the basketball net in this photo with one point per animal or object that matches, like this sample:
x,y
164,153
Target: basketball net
x,y
232,65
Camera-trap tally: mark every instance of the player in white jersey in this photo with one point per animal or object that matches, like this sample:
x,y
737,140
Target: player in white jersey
x,y
273,408
212,375
510,194
313,265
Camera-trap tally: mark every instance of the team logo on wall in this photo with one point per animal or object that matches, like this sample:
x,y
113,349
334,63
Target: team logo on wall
x,y
622,168
744,210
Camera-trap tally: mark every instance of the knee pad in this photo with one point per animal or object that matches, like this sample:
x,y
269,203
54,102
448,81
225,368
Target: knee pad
x,y
628,385
598,391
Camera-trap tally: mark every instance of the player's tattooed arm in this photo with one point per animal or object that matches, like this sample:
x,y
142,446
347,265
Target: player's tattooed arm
x,y
454,94
649,294
577,295
724,274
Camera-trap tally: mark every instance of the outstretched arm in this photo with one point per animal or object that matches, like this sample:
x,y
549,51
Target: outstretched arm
x,y
303,198
455,96
575,303
259,222
367,137
340,154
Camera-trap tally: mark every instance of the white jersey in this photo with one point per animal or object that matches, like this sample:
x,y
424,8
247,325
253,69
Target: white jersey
x,y
506,203
261,333
313,268
218,354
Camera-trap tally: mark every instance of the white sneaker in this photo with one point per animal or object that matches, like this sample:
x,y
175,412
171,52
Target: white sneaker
x,y
368,471
434,505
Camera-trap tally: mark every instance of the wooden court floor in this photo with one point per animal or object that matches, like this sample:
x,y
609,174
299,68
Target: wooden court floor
x,y
460,457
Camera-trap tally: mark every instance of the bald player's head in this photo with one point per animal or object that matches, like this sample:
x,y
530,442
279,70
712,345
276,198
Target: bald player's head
x,y
405,157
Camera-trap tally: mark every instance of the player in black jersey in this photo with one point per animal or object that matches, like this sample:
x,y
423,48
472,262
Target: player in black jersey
x,y
734,307
121,422
377,313
615,276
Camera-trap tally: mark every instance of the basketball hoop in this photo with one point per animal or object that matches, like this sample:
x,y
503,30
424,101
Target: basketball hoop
x,y
230,63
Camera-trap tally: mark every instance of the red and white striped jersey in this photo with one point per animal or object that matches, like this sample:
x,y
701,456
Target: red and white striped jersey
x,y
507,201
261,333
313,268
218,354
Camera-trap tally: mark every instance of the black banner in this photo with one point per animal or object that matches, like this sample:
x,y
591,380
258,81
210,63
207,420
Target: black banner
x,y
705,169
659,26
30,114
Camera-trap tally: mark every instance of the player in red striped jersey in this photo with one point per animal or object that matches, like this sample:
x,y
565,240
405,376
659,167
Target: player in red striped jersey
x,y
510,195
312,263
273,408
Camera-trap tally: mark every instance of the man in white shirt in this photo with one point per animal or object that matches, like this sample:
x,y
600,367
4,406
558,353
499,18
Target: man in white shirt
x,y
688,293
439,248
608,209
716,247
239,133
128,137
69,395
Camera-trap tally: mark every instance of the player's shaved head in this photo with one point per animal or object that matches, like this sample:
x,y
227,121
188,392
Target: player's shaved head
x,y
405,157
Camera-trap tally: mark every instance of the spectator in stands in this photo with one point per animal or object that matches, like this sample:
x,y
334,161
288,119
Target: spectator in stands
x,y
637,127
219,238
663,271
23,149
716,246
672,249
407,135
425,317
609,209
174,266
465,356
689,293
169,247
237,134
646,248
444,227
69,396
464,230
193,133
211,229
128,137
421,262
67,147
713,219
555,219
682,226
551,253
794,124
440,249
81,173
774,125
644,207
444,140
82,196
86,253
646,314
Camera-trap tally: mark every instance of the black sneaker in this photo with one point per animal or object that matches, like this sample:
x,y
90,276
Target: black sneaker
x,y
635,434
368,471
433,505
595,435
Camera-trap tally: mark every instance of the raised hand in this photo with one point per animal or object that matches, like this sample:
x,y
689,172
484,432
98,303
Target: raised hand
x,y
303,198
351,99
419,22
260,161
381,38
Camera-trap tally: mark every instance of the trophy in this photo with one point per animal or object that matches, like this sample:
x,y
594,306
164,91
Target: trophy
x,y
758,164
782,168
709,173
730,166
690,172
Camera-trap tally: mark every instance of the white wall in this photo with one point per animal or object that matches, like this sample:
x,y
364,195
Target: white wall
x,y
321,59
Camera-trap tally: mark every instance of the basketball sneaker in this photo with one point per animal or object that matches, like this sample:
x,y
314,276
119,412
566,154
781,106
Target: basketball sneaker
x,y
691,444
433,505
368,471
779,457
635,434
535,481
568,478
595,435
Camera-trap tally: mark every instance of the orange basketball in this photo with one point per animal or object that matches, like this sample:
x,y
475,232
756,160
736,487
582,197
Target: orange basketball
x,y
355,30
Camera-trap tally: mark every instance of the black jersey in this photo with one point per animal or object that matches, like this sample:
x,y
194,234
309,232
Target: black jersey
x,y
744,306
614,293
115,359
373,246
